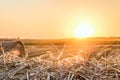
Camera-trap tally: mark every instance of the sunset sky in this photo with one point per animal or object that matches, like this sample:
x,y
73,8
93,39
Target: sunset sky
x,y
46,19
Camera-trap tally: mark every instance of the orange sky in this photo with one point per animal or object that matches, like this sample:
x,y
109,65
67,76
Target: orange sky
x,y
58,18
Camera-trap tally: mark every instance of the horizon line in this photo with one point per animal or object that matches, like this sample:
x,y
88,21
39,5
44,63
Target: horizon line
x,y
59,38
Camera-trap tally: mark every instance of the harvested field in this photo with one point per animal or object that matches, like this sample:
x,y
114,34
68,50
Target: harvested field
x,y
62,62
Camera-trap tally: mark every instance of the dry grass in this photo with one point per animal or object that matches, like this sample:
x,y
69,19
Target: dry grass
x,y
102,63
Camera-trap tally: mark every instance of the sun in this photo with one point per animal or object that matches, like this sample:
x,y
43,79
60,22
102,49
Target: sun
x,y
83,31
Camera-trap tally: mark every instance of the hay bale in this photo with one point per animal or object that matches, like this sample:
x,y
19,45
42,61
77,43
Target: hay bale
x,y
13,47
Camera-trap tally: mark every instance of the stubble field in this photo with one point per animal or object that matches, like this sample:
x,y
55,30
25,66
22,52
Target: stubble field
x,y
63,62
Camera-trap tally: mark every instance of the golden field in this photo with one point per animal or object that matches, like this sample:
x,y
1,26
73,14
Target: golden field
x,y
70,59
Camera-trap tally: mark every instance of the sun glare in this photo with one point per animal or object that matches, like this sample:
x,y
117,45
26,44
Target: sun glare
x,y
83,31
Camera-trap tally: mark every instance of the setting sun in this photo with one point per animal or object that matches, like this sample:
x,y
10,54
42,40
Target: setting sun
x,y
84,30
